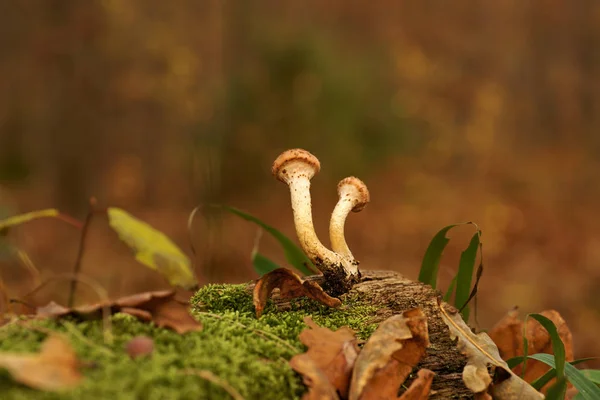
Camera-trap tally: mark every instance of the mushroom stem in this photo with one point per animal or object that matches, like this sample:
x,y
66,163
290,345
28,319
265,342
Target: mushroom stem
x,y
302,208
295,168
336,227
353,196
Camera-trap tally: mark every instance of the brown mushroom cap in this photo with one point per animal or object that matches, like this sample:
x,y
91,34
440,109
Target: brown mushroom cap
x,y
309,164
357,188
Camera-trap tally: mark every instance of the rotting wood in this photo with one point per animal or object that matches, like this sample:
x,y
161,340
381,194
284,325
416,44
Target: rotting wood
x,y
392,293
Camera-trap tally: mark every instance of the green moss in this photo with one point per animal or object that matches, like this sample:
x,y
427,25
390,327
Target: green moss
x,y
251,355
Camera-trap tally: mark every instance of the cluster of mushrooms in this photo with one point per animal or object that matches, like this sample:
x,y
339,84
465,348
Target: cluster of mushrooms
x,y
296,167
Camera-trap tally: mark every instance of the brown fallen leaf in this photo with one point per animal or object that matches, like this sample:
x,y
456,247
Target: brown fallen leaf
x,y
508,336
389,356
419,389
290,286
161,307
54,368
481,352
319,387
332,353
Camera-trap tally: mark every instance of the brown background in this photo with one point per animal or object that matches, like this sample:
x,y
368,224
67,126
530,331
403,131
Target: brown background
x,y
481,111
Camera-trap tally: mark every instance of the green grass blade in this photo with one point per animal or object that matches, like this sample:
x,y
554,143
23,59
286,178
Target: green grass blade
x,y
587,389
450,290
263,265
540,382
513,362
433,255
464,276
558,346
558,390
592,374
293,254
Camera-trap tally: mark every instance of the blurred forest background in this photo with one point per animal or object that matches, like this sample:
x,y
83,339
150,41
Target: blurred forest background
x,y
449,111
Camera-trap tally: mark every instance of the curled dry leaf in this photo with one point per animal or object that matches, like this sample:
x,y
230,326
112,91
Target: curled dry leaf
x,y
290,286
389,356
54,368
508,336
161,307
419,389
319,387
481,352
331,353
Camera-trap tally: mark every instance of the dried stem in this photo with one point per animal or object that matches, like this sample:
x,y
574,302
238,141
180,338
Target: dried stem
x,y
82,242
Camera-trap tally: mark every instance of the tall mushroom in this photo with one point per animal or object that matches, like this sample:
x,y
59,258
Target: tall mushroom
x,y
353,196
295,168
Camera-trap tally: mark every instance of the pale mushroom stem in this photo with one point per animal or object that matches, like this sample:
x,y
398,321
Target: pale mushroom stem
x,y
302,207
336,226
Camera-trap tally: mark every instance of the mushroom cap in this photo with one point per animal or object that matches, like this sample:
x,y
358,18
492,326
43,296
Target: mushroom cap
x,y
352,186
294,162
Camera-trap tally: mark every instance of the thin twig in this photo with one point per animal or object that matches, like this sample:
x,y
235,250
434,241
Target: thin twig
x,y
77,268
95,286
69,220
209,376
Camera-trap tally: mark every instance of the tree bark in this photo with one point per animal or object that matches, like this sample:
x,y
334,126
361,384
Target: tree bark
x,y
392,293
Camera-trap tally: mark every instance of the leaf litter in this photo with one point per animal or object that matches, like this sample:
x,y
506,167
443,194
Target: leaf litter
x,y
508,336
333,367
160,307
331,353
389,356
290,286
54,368
481,353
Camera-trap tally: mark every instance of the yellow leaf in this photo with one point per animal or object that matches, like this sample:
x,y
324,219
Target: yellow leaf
x,y
153,248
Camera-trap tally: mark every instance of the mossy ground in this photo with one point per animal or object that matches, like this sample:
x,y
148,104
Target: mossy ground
x,y
248,353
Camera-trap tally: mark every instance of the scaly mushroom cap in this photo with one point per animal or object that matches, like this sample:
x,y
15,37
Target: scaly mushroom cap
x,y
355,189
304,163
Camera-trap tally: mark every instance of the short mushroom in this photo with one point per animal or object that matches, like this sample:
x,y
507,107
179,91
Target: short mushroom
x,y
353,196
295,168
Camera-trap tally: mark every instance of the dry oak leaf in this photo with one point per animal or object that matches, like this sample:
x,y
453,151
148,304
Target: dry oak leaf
x,y
419,389
333,353
389,356
290,286
508,336
161,307
54,368
482,353
319,387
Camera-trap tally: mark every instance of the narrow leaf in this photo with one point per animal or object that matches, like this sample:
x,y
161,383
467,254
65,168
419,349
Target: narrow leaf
x,y
464,275
558,346
558,390
153,248
263,265
22,218
293,254
592,374
450,290
433,255
540,382
587,389
476,285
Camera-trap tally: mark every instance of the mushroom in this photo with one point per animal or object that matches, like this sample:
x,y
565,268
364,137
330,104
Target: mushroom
x,y
295,168
353,196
